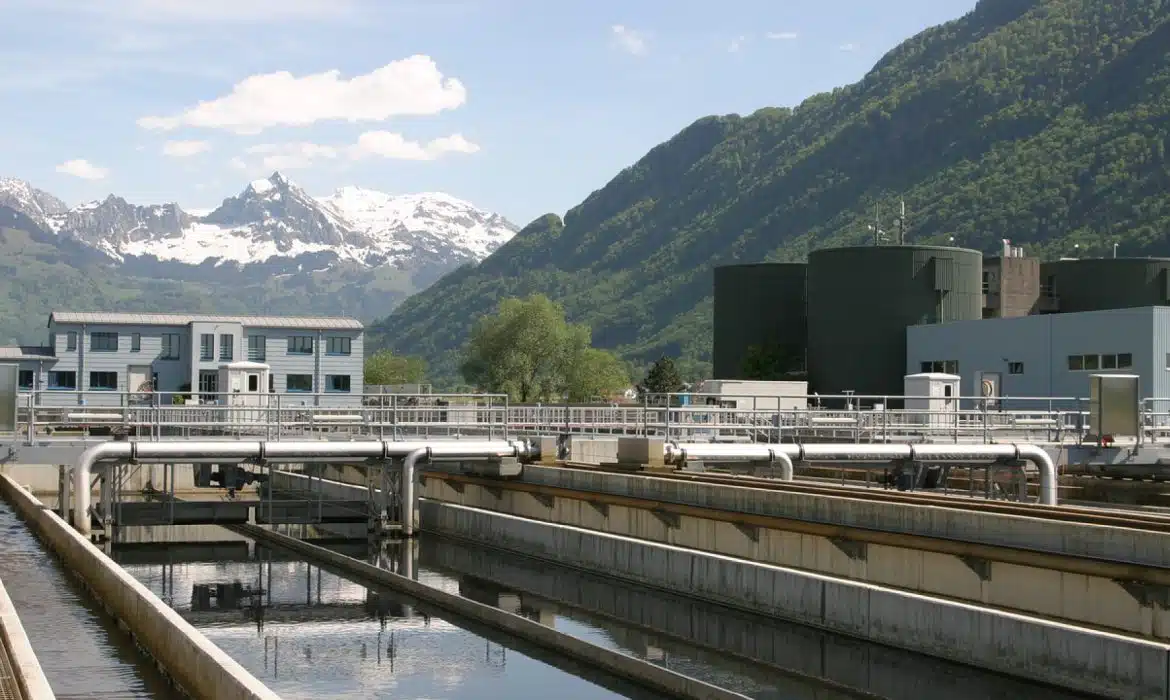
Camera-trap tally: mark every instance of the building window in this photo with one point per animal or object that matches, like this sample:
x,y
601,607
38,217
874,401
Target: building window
x,y
227,347
299,383
256,348
254,383
25,379
135,342
103,342
62,380
1092,363
271,383
300,345
103,381
941,367
337,345
207,346
170,346
337,382
71,340
1015,368
208,384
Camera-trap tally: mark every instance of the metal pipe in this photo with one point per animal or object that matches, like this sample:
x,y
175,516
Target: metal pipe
x,y
754,452
280,451
408,477
675,453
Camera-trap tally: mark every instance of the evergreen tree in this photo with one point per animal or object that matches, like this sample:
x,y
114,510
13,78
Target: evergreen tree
x,y
663,378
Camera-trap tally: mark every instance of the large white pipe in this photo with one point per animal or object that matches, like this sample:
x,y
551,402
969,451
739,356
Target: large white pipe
x,y
677,453
223,452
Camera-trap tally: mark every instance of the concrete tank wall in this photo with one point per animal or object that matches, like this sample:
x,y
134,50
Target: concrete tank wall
x,y
198,666
862,298
1074,597
762,305
1063,655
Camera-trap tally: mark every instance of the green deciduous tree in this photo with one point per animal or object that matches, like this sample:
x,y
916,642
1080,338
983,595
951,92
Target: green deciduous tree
x,y
530,352
595,375
384,368
663,378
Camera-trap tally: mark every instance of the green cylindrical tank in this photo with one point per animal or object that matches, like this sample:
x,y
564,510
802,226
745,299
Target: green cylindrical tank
x,y
1099,284
760,305
862,298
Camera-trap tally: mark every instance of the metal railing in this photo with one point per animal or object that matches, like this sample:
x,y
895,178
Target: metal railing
x,y
680,417
262,416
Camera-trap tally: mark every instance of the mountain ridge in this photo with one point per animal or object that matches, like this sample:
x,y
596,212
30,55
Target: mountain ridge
x,y
1043,121
271,248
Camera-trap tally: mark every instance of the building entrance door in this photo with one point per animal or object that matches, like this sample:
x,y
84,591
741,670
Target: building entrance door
x,y
139,382
989,389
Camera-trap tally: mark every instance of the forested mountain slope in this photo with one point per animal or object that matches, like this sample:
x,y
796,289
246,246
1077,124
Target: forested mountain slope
x,y
1043,121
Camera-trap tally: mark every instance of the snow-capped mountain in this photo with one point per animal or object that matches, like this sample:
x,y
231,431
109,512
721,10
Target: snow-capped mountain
x,y
274,219
28,200
431,221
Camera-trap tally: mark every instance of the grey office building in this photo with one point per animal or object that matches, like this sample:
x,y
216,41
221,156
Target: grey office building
x,y
1050,355
90,354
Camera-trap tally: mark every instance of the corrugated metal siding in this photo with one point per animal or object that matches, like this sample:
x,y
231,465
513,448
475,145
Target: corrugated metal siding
x,y
1043,344
312,323
861,300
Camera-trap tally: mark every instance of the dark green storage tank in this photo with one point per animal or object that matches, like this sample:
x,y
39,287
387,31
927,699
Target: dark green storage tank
x,y
1100,284
861,299
760,304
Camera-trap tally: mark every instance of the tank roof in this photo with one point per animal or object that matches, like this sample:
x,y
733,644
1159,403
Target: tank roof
x,y
905,247
763,264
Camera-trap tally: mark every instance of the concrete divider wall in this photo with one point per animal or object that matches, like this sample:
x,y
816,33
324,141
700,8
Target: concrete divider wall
x,y
804,651
613,662
1111,543
198,666
1096,599
29,674
1063,655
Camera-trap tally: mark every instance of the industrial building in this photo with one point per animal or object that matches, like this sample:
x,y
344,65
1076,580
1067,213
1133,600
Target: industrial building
x,y
1049,355
862,298
1009,325
759,308
112,358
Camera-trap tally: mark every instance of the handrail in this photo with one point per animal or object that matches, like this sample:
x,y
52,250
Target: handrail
x,y
409,416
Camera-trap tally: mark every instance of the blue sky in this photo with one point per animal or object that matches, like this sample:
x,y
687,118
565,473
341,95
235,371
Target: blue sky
x,y
519,106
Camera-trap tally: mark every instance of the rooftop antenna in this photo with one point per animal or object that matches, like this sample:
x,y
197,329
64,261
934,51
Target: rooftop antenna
x,y
902,224
876,227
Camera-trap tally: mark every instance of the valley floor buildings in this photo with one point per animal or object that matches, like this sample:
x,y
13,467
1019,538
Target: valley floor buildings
x,y
110,359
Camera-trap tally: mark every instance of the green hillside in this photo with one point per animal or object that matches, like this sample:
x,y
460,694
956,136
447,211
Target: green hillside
x,y
1046,122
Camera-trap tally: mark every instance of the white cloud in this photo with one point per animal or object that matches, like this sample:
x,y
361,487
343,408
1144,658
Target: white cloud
x,y
737,44
383,144
183,149
628,40
83,169
847,47
781,36
411,86
290,156
390,145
